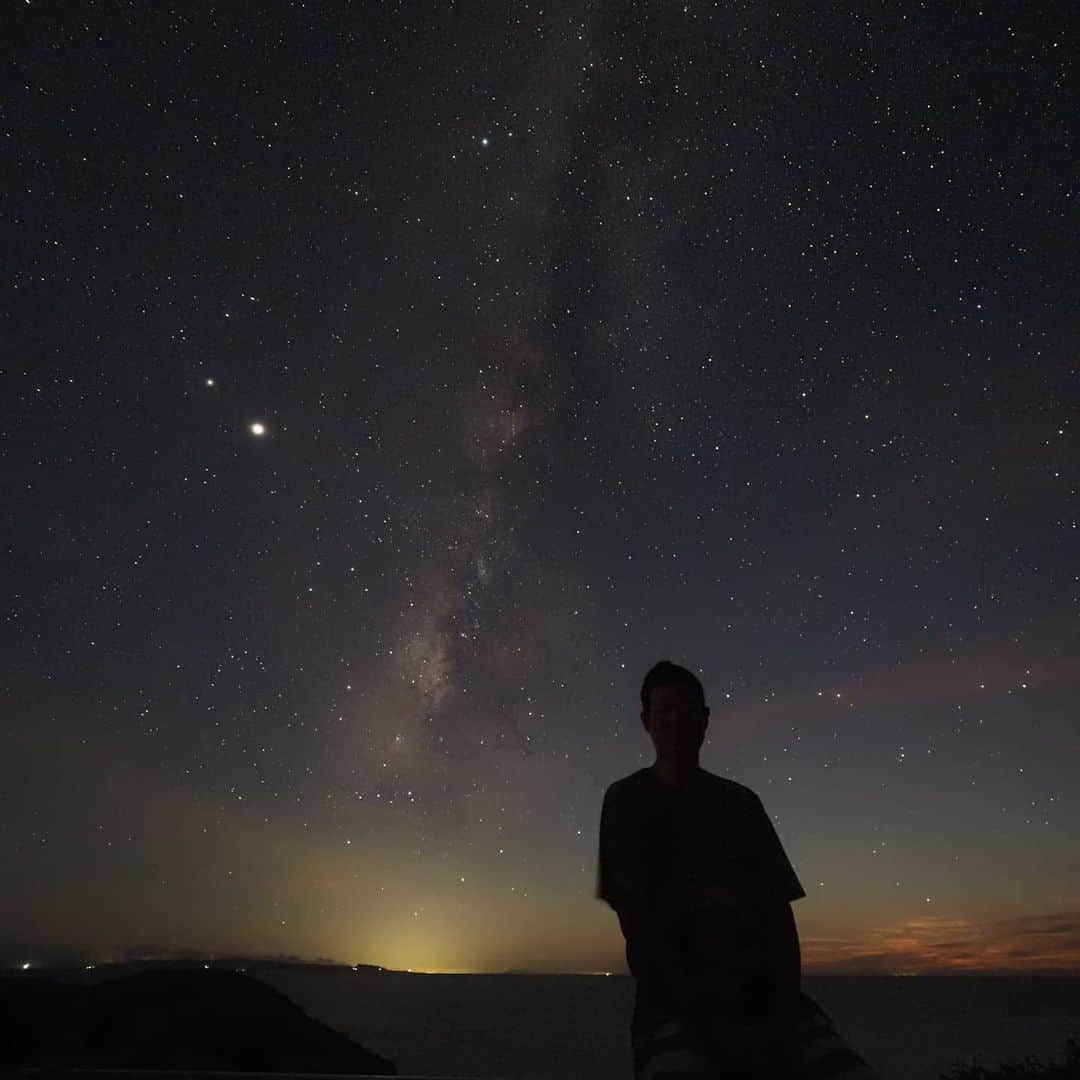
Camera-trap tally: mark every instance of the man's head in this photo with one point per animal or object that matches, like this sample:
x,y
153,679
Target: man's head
x,y
674,712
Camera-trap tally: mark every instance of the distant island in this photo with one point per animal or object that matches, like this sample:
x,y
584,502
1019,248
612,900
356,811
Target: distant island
x,y
135,962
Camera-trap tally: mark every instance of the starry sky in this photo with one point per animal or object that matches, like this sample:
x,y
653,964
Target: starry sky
x,y
386,387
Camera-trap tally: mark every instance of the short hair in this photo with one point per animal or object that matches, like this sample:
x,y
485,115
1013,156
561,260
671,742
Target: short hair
x,y
666,673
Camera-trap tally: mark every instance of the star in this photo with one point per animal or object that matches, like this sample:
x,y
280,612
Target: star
x,y
257,428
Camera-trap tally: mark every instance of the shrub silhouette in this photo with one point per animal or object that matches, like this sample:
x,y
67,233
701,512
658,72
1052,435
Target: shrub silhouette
x,y
1023,1069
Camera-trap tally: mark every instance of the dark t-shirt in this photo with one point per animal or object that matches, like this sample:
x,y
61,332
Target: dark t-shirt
x,y
655,839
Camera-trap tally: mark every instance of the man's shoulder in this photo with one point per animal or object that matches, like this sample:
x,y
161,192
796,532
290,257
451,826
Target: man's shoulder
x,y
731,790
641,783
627,785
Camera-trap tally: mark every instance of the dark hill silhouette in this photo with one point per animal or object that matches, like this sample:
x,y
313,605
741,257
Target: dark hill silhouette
x,y
171,1020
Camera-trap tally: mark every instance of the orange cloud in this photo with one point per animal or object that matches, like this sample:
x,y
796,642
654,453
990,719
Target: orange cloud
x,y
936,945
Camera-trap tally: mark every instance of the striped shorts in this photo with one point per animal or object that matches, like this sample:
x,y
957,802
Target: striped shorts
x,y
666,1048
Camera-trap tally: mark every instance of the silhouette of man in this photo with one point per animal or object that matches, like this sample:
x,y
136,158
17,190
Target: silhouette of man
x,y
692,866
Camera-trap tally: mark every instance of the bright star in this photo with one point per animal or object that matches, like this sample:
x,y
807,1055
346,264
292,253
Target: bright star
x,y
258,428
211,382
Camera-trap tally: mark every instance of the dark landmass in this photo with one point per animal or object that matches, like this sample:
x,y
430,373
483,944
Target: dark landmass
x,y
1068,1068
176,1019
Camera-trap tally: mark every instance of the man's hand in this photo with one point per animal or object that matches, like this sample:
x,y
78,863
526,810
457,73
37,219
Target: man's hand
x,y
717,896
761,1046
694,897
763,1037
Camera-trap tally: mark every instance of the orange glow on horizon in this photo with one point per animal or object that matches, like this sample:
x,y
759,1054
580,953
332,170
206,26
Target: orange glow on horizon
x,y
941,945
925,945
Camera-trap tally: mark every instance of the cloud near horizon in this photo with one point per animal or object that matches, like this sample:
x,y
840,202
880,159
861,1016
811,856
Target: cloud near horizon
x,y
938,945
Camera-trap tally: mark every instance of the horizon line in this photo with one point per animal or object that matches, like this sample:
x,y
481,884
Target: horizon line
x,y
231,961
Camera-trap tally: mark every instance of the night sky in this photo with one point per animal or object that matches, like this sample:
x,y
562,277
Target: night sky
x,y
385,388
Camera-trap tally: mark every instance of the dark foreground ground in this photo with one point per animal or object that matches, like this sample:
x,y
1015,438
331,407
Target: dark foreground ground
x,y
197,1019
576,1027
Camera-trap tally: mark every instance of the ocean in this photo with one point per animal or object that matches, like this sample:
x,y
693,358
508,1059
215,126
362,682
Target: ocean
x,y
577,1027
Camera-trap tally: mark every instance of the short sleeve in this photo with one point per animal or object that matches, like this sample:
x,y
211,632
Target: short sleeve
x,y
769,868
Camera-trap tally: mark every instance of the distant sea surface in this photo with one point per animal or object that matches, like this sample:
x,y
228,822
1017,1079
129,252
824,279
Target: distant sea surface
x,y
577,1027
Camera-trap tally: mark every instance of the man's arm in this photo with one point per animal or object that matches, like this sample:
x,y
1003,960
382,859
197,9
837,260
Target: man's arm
x,y
781,959
772,885
766,1039
661,960
650,912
